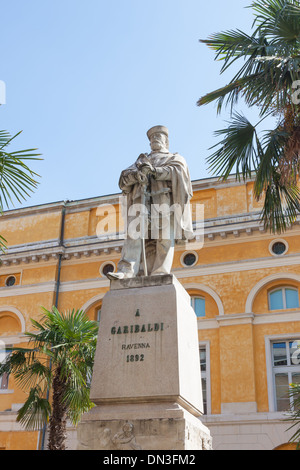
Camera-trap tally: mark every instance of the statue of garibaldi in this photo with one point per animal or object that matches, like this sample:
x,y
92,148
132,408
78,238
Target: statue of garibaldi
x,y
158,188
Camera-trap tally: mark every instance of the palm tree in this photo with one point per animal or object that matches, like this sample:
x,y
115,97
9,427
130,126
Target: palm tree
x,y
17,180
295,413
60,360
268,80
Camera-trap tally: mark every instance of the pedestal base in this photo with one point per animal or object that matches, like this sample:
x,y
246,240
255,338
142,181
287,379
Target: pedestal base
x,y
163,426
146,381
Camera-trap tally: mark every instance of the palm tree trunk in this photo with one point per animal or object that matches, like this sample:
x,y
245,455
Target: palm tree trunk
x,y
58,419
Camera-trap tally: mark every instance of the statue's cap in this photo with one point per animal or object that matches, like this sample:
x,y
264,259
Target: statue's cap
x,y
161,129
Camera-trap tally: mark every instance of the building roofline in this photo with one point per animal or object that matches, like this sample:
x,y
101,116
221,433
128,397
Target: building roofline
x,y
203,183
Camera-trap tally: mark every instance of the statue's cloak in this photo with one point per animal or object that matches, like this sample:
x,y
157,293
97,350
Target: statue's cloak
x,y
173,177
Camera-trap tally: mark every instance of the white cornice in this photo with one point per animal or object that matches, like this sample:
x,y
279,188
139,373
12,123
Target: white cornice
x,y
51,251
112,248
33,210
276,317
239,419
14,339
235,319
203,323
84,284
8,422
92,245
236,266
217,182
219,230
29,289
247,318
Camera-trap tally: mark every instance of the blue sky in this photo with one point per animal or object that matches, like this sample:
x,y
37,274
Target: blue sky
x,y
86,79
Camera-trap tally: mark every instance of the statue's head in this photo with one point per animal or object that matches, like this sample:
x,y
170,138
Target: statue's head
x,y
159,138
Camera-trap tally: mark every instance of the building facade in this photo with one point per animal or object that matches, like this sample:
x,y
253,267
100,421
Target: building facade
x,y
244,286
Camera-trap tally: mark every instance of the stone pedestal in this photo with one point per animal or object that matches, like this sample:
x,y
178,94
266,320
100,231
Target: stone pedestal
x,y
146,380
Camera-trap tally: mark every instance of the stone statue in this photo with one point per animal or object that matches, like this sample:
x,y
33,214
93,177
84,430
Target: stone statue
x,y
158,187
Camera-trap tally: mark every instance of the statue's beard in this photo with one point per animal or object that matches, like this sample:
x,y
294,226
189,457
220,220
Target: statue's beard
x,y
158,147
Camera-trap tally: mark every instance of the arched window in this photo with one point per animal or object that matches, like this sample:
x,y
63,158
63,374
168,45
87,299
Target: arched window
x,y
11,321
283,298
198,304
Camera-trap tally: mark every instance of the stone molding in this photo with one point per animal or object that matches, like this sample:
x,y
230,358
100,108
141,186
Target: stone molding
x,y
16,312
248,318
75,249
208,290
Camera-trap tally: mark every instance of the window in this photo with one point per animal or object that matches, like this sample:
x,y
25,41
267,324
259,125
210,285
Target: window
x,y
283,298
98,315
4,381
278,247
189,259
4,378
202,352
106,268
286,370
10,281
198,304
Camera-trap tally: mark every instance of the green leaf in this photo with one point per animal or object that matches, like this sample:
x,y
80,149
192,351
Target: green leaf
x,y
35,411
17,180
269,61
281,205
69,340
237,150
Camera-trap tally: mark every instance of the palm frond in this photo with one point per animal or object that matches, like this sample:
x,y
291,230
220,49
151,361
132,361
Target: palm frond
x,y
237,151
272,145
281,205
278,19
69,340
35,411
17,180
230,46
266,79
78,402
33,373
294,414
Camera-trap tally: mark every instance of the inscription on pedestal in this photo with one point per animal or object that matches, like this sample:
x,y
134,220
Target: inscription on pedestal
x,y
147,347
137,328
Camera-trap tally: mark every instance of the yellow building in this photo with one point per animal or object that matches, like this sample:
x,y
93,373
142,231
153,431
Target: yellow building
x,y
244,286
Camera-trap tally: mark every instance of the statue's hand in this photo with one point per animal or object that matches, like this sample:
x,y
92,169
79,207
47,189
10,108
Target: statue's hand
x,y
141,177
143,164
142,157
147,168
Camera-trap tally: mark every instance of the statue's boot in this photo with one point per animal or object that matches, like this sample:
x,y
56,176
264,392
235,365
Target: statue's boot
x,y
114,276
